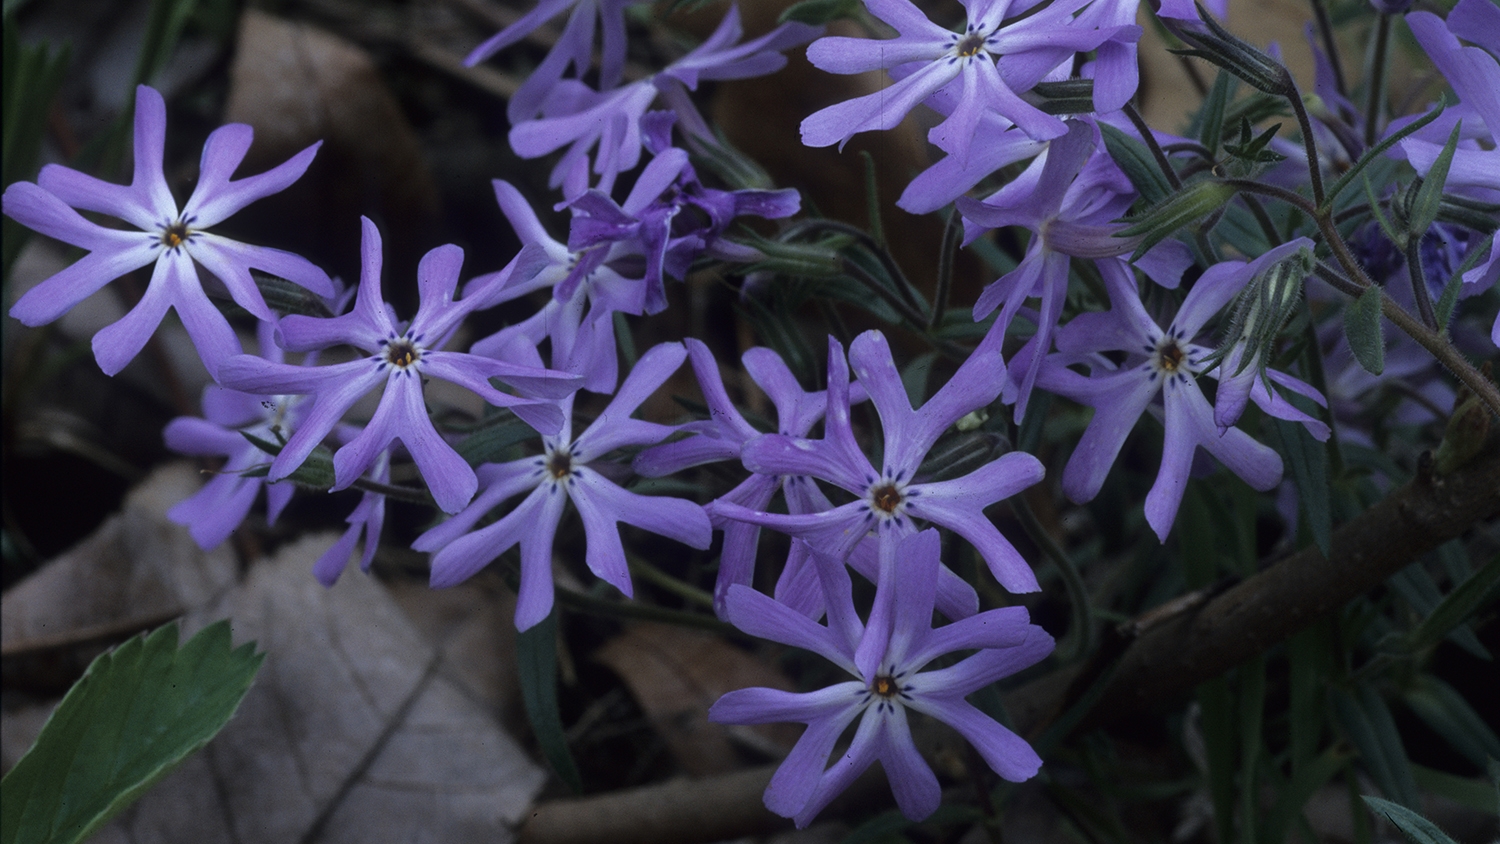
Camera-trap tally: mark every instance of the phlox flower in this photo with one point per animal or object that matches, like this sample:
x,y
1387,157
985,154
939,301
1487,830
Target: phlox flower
x,y
400,357
988,64
881,693
580,118
1165,362
560,474
888,501
1069,198
163,234
366,520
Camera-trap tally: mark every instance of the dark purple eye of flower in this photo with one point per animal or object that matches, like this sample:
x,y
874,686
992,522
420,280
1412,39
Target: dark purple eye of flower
x,y
560,464
1169,357
970,45
886,497
175,235
885,686
402,354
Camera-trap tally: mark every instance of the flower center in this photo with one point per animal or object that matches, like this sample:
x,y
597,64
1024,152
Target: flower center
x,y
175,235
970,45
885,686
402,353
886,498
1169,357
560,464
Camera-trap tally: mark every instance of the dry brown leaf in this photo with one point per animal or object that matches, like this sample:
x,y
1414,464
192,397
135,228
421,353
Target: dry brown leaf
x,y
676,674
349,734
137,570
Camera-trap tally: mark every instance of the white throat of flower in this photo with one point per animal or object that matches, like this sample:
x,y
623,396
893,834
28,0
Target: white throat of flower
x,y
886,499
403,355
1172,357
176,234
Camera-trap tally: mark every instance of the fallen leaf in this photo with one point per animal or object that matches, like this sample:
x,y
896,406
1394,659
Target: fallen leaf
x,y
676,674
350,733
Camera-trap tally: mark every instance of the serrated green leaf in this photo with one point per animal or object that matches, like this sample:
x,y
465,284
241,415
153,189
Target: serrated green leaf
x,y
1138,163
1367,721
138,711
536,660
1416,828
1362,329
1444,710
1429,197
1455,607
1308,460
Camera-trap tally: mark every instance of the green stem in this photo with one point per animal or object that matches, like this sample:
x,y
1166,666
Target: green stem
x,y
952,233
1377,78
655,576
643,612
1330,46
1156,151
1419,290
1314,169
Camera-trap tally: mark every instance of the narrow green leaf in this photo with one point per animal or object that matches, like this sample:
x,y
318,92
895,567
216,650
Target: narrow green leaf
x,y
1212,115
1189,205
164,24
1304,783
1362,329
1456,607
316,472
1308,460
1450,716
625,339
536,658
1307,668
492,443
1417,829
137,712
1443,312
1429,198
1377,153
1479,794
1369,725
1138,163
872,199
1252,689
820,12
1387,226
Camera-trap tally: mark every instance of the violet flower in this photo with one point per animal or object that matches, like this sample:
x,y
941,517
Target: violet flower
x,y
889,500
399,359
574,48
988,65
1069,198
560,474
164,235
881,694
212,513
366,520
1167,363
577,117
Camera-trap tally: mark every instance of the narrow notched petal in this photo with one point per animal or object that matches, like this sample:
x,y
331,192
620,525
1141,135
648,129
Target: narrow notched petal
x,y
912,781
460,559
1006,753
868,744
217,252
118,343
214,340
1118,400
40,210
150,146
329,566
57,294
883,109
499,483
87,193
437,278
534,598
768,706
773,454
839,54
449,478
212,514
766,618
674,518
217,198
604,552
800,772
328,408
1003,628
197,437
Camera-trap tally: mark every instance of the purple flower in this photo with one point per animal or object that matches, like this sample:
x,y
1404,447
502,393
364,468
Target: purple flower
x,y
1069,198
1167,363
722,437
398,362
213,512
887,501
575,48
586,292
881,694
560,474
580,118
985,66
367,519
170,238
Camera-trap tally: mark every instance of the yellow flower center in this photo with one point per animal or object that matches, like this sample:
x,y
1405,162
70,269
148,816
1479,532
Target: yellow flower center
x,y
402,354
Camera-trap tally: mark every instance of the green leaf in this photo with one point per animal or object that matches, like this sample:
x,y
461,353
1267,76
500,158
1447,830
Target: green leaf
x,y
1478,794
1456,607
1252,702
1362,328
137,712
1416,828
820,12
1368,722
1450,716
164,25
1308,664
1138,163
1443,312
1217,706
1218,45
1212,116
536,657
1377,153
1308,460
1429,197
491,443
32,77
1072,96
1188,205
316,472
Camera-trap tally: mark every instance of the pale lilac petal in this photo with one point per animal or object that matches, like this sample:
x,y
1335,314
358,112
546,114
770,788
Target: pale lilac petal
x,y
799,774
958,505
766,618
87,193
884,109
838,54
773,454
150,146
214,340
534,598
118,343
1118,400
1007,627
675,518
1006,753
869,741
912,781
41,211
231,262
57,294
770,706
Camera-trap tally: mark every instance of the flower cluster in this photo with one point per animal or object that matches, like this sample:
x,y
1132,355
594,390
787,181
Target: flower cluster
x,y
1122,295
